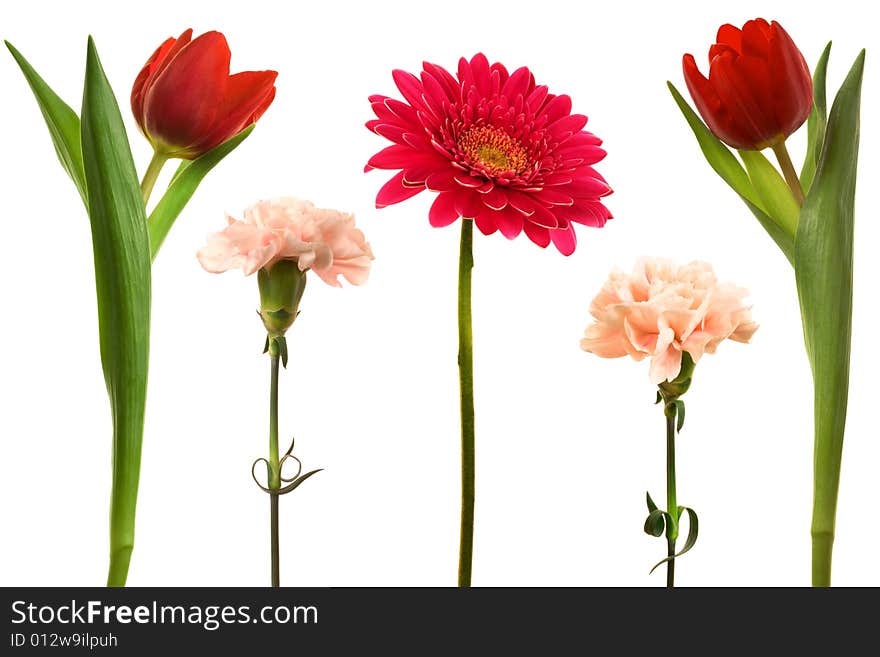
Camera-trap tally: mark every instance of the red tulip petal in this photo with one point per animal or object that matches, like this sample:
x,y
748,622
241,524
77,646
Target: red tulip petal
x,y
743,87
443,212
756,39
394,191
137,89
248,96
791,81
182,103
731,36
183,40
564,240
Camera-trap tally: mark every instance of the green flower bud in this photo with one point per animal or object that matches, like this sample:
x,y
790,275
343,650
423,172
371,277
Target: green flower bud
x,y
281,288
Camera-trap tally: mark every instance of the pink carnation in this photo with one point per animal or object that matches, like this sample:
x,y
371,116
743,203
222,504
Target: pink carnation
x,y
325,241
663,309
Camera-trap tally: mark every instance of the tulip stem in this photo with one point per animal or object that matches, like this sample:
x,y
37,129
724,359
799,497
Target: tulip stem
x,y
466,380
671,501
152,174
788,170
274,465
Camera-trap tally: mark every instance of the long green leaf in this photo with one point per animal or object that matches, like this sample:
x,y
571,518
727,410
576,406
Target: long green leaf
x,y
122,276
817,121
731,171
824,271
183,186
775,194
62,121
717,154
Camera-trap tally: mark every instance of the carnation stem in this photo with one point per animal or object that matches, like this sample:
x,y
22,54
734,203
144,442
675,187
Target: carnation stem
x,y
274,467
788,170
671,502
466,379
154,168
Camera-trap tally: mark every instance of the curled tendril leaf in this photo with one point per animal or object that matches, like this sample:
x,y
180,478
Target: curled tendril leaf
x,y
693,530
651,505
655,523
293,482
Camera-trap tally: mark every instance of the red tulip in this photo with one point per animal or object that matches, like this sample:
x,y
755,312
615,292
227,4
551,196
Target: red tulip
x,y
759,89
186,103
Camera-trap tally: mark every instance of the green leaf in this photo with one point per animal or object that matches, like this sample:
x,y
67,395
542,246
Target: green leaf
x,y
655,523
693,532
651,505
774,192
784,240
122,276
731,171
679,411
297,482
62,121
183,186
816,122
717,154
824,272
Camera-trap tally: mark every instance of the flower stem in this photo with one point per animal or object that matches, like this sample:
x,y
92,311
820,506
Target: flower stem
x,y
788,170
274,467
152,174
671,502
466,379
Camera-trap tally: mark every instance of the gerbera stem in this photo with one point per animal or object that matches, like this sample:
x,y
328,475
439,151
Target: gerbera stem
x,y
788,170
274,467
154,168
466,378
671,502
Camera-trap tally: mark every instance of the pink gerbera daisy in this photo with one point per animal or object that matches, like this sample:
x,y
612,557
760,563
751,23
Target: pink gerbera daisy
x,y
496,147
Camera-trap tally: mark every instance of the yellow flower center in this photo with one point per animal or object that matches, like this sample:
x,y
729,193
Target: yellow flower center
x,y
493,150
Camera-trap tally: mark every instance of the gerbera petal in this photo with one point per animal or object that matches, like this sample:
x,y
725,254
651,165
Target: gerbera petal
x,y
443,212
394,191
564,239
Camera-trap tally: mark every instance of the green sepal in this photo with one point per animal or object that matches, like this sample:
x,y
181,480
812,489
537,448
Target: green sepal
x,y
816,122
824,273
659,398
183,185
651,505
63,124
122,277
774,192
693,532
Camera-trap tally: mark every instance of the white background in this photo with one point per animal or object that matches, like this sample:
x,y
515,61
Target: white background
x,y
567,443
